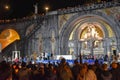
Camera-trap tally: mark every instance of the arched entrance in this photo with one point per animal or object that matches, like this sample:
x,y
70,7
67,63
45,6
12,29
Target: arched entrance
x,y
76,28
91,39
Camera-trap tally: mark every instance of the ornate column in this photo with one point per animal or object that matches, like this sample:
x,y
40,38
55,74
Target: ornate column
x,y
105,45
92,47
80,55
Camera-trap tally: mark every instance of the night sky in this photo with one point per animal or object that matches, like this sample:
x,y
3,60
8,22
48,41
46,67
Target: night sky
x,y
23,8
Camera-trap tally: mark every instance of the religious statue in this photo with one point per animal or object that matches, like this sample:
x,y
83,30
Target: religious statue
x,y
40,44
53,42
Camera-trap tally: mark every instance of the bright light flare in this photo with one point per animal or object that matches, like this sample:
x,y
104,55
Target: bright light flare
x,y
46,8
7,7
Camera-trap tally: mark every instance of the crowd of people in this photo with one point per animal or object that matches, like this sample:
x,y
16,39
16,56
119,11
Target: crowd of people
x,y
59,71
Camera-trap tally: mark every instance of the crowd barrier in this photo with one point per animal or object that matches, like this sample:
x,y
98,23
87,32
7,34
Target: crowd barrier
x,y
90,61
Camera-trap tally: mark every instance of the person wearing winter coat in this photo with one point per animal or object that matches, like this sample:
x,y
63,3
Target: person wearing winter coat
x,y
105,75
115,70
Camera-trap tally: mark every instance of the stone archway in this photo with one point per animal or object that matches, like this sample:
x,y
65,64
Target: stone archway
x,y
82,18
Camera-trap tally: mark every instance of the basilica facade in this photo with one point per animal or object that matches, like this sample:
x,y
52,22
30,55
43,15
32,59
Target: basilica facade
x,y
92,29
